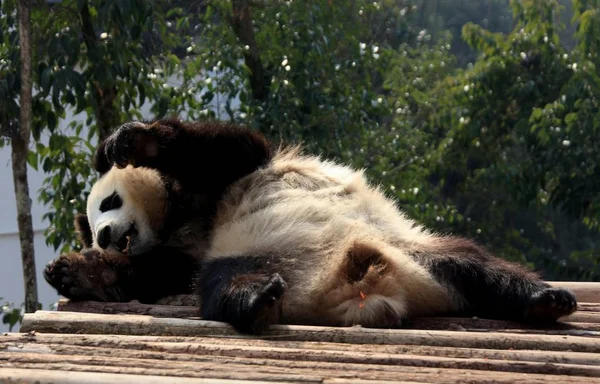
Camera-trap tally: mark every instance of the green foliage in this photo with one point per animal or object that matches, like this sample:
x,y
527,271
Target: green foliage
x,y
321,78
515,157
10,79
11,315
109,62
501,150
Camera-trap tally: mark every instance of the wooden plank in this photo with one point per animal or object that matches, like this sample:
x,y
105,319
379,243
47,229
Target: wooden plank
x,y
273,359
440,323
586,292
133,307
299,358
45,376
278,370
281,349
588,307
70,322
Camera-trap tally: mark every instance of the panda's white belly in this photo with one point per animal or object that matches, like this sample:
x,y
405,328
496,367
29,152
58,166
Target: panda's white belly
x,y
317,216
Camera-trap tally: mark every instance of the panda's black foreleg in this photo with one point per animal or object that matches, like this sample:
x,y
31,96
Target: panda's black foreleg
x,y
98,276
494,288
218,153
90,275
244,291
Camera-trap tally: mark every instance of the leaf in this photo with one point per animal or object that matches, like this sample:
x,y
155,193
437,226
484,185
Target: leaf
x,y
32,159
45,80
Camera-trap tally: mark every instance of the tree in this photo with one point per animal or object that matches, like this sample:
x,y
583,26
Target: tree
x,y
302,71
509,152
20,151
15,123
103,59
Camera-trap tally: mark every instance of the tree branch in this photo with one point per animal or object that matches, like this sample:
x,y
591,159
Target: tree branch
x,y
241,23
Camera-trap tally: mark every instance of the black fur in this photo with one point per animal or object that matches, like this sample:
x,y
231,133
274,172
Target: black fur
x,y
492,287
245,291
84,232
95,275
198,161
220,153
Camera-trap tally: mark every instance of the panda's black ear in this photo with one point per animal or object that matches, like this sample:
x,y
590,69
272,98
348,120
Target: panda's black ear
x,y
100,162
83,229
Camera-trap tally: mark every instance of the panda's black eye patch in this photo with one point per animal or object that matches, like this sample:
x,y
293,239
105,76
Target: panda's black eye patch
x,y
111,202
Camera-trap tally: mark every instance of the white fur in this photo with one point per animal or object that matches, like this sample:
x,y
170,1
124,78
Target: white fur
x,y
311,214
316,212
144,203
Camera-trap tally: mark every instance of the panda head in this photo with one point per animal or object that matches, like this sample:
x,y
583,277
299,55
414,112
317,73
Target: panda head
x,y
126,210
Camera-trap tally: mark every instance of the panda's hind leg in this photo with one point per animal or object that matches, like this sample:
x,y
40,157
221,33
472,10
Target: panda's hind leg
x,y
495,288
244,291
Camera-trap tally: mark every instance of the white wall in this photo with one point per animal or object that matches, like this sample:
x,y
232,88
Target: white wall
x,y
11,276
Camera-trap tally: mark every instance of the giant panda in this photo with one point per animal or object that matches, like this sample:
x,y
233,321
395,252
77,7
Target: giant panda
x,y
270,235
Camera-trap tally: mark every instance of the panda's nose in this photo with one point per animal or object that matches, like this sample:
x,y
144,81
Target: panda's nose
x,y
104,238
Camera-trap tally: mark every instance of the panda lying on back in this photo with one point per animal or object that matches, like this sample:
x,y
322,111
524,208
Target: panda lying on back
x,y
279,237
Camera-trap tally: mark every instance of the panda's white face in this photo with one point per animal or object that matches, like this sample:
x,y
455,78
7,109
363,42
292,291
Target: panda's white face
x,y
126,209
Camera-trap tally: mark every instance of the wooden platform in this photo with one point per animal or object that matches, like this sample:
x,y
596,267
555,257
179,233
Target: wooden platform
x,y
91,342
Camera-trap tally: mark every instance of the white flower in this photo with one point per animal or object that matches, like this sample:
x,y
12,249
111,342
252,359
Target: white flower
x,y
284,62
103,35
566,143
287,68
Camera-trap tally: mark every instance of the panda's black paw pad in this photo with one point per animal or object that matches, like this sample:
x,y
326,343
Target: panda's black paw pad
x,y
550,304
60,274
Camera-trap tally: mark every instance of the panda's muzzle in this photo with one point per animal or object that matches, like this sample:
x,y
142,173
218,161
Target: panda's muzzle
x,y
108,236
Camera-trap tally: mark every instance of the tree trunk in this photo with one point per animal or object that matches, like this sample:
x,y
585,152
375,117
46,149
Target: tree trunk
x,y
20,149
106,116
241,23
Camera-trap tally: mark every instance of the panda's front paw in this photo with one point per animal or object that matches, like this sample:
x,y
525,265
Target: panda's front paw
x,y
83,276
132,144
262,307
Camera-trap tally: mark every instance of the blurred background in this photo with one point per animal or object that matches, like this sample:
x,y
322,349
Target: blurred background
x,y
480,117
